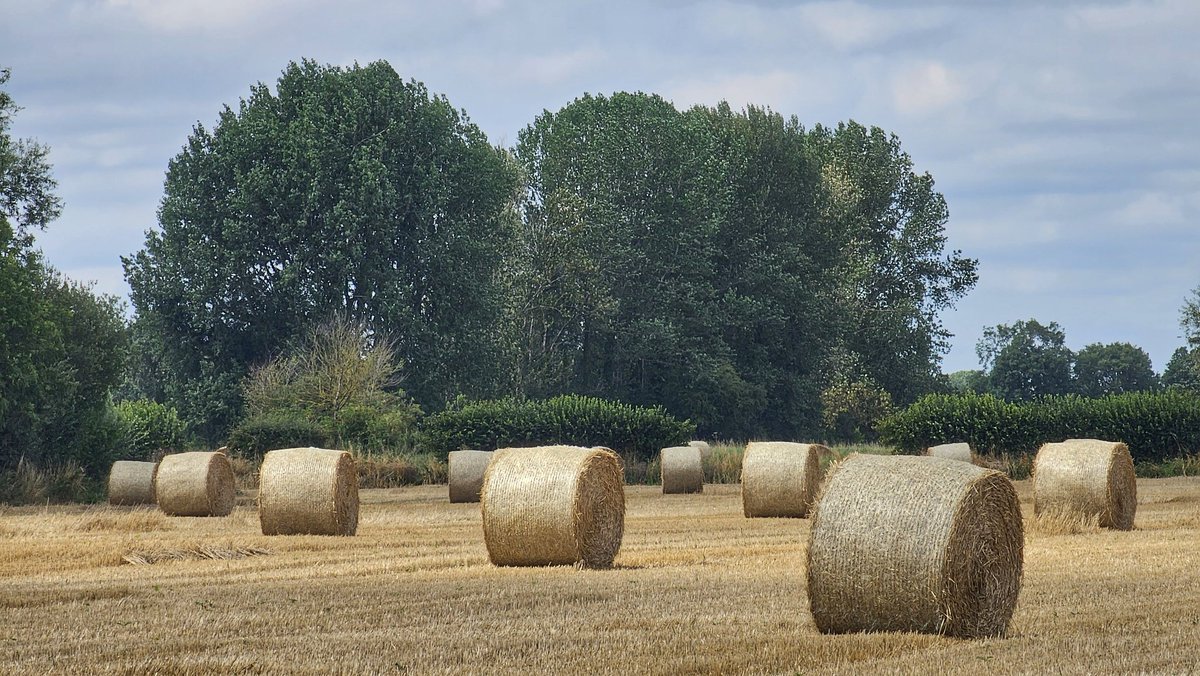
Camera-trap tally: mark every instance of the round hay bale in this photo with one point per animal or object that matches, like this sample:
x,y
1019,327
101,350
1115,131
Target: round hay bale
x,y
308,491
682,471
904,543
780,478
1086,478
466,474
705,449
553,505
958,451
195,484
131,483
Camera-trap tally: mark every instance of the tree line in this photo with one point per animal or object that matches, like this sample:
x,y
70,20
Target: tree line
x,y
756,276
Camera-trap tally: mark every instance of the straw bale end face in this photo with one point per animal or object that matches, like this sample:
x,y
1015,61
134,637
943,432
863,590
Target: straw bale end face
x,y
132,483
780,478
903,543
682,470
1084,479
308,491
553,505
195,484
466,474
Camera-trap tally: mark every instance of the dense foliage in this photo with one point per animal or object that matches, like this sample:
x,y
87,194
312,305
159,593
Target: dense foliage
x,y
61,346
637,432
148,429
1154,425
343,190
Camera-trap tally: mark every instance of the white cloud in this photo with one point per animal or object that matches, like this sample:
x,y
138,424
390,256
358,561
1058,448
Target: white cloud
x,y
926,88
200,15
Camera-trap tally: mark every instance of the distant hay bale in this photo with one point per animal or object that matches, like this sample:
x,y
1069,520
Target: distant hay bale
x,y
780,478
1085,478
682,471
904,543
553,505
308,491
466,474
705,449
195,484
958,451
131,483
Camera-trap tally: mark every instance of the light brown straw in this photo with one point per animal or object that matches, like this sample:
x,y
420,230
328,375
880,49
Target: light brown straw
x,y
904,543
780,478
308,491
1085,478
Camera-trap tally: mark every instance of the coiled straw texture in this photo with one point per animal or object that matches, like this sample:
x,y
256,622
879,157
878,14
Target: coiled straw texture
x,y
131,483
308,491
553,505
682,470
1086,478
780,478
903,543
195,484
466,474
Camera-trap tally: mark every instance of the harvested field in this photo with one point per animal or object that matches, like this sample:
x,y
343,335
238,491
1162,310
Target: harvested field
x,y
696,588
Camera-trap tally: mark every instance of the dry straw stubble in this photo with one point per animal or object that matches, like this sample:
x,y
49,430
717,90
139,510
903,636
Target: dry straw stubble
x,y
1085,478
308,491
195,484
903,543
466,474
780,478
682,470
131,483
553,505
957,451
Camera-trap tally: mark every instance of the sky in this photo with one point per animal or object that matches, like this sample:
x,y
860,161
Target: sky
x,y
1062,133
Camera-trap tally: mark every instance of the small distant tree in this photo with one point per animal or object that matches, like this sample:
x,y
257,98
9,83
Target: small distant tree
x,y
851,409
972,381
1028,359
1183,370
1113,369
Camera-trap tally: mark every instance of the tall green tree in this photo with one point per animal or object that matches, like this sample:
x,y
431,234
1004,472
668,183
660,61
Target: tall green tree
x,y
1027,359
344,190
1183,370
892,269
61,346
1112,369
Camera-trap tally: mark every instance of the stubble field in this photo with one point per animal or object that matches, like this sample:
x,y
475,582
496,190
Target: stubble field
x,y
697,588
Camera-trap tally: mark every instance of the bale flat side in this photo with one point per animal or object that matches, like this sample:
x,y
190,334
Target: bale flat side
x,y
544,506
958,451
681,470
780,478
195,484
901,543
308,491
1086,478
466,474
131,483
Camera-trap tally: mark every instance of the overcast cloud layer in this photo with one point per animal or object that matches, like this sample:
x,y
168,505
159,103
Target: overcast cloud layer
x,y
1061,133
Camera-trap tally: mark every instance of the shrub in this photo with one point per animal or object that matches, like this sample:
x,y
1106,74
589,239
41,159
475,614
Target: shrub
x,y
147,429
256,435
851,409
1155,426
634,431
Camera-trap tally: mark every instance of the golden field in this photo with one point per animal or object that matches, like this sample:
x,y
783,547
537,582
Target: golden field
x,y
697,588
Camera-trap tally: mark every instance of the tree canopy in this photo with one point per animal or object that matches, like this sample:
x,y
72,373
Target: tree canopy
x,y
1027,359
1113,369
343,190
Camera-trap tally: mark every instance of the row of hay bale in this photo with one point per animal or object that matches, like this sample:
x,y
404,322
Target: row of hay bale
x,y
301,490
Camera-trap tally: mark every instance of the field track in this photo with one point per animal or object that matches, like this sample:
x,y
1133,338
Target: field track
x,y
698,588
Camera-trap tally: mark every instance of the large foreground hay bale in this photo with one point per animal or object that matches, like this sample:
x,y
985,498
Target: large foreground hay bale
x,y
308,491
780,478
681,469
553,505
903,543
131,483
958,451
195,484
1086,478
466,474
705,449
